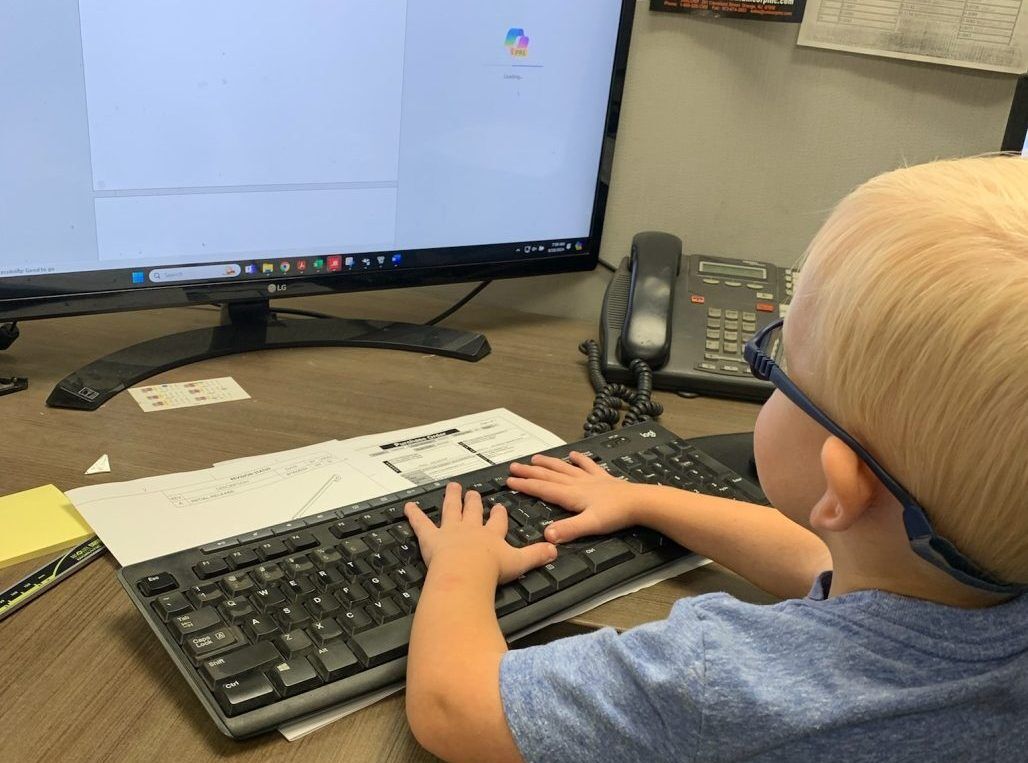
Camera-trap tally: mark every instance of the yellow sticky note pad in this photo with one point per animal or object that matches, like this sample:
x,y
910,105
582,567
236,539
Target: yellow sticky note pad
x,y
37,522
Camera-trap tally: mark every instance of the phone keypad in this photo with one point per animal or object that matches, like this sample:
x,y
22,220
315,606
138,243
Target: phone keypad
x,y
727,330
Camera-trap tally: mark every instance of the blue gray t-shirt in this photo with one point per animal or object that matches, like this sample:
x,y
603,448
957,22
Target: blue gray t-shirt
x,y
868,676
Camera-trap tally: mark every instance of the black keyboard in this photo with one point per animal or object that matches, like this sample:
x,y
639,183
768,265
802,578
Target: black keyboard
x,y
280,623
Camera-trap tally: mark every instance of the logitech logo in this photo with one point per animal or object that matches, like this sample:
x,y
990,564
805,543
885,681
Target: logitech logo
x,y
649,435
517,43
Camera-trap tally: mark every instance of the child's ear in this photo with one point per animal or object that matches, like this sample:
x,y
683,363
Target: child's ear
x,y
850,488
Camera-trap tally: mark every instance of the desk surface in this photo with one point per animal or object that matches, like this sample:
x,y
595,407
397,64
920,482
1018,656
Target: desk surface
x,y
80,672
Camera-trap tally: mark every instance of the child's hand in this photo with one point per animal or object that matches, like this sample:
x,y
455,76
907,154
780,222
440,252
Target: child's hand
x,y
603,503
462,535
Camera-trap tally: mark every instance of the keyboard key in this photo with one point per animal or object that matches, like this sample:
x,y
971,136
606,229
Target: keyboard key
x,y
237,585
329,579
220,545
508,600
268,599
344,528
371,520
288,527
605,555
236,610
325,557
260,627
244,694
205,594
293,643
268,573
323,631
356,569
407,552
384,643
301,541
408,600
643,541
354,620
170,604
379,540
535,585
294,677
246,659
352,594
298,589
334,661
382,610
216,640
292,617
323,605
152,585
353,548
383,560
298,565
271,549
243,557
195,622
408,577
210,568
254,535
567,569
380,585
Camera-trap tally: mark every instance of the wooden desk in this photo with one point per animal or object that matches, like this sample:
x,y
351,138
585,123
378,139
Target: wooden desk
x,y
81,675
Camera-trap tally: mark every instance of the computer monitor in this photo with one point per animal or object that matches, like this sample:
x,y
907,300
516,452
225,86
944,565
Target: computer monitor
x,y
1016,136
158,154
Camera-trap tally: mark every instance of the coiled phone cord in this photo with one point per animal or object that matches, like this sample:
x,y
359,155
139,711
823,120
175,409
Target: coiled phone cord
x,y
611,398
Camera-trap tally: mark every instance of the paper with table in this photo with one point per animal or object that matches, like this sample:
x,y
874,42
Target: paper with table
x,y
991,35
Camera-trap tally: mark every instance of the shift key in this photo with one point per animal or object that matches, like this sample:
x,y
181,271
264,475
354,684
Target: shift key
x,y
250,658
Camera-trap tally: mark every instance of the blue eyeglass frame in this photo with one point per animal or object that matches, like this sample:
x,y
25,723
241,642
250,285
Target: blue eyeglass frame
x,y
931,547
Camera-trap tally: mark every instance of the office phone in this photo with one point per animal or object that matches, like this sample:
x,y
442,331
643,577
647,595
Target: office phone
x,y
689,317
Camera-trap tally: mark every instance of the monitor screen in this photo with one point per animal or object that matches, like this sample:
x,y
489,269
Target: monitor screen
x,y
147,147
1016,136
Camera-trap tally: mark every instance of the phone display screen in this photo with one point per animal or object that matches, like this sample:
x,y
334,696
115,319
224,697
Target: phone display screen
x,y
752,273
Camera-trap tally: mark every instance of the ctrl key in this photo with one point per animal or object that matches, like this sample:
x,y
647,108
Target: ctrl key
x,y
240,695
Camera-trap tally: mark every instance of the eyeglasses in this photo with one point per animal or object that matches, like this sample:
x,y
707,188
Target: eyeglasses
x,y
924,541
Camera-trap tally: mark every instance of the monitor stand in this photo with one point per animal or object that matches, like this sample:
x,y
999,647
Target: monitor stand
x,y
245,327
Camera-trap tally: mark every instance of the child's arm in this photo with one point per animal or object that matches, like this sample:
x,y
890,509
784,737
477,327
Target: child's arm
x,y
453,668
757,542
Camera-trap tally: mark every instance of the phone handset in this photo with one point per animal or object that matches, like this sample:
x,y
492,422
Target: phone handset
x,y
655,263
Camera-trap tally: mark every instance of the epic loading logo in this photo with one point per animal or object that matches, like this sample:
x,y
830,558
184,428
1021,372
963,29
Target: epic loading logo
x,y
517,43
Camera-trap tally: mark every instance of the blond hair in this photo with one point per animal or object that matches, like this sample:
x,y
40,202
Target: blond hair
x,y
919,337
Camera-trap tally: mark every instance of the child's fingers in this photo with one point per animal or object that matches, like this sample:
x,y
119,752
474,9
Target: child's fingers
x,y
530,557
555,464
567,530
539,473
498,520
419,521
473,510
586,464
551,492
452,506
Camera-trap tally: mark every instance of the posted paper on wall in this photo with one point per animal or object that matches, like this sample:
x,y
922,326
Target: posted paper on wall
x,y
991,34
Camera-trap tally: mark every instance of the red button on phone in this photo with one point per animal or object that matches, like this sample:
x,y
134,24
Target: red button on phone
x,y
698,299
765,307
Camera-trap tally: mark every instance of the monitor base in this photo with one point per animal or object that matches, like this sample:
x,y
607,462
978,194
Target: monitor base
x,y
247,327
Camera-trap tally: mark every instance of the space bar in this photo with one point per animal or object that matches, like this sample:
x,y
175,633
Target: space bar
x,y
384,643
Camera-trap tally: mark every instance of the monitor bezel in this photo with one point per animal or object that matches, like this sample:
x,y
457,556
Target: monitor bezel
x,y
1017,122
22,304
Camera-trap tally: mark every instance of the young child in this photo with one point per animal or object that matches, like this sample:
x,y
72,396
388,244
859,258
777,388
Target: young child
x,y
909,329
